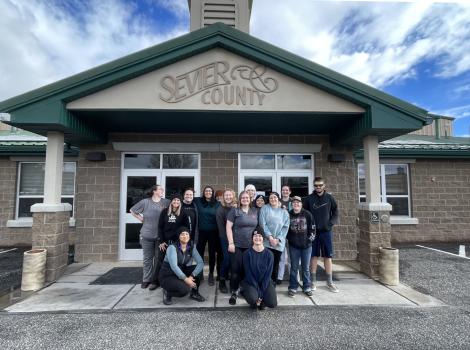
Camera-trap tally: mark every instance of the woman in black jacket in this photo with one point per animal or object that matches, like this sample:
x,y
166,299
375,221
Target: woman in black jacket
x,y
170,221
300,236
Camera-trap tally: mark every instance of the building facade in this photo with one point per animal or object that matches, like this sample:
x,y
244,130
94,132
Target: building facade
x,y
219,107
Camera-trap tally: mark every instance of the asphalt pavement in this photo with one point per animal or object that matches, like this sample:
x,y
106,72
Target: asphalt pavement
x,y
327,327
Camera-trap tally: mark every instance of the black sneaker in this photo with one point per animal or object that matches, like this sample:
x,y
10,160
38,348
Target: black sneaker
x,y
196,296
144,285
278,281
261,306
223,287
233,299
154,285
210,279
166,298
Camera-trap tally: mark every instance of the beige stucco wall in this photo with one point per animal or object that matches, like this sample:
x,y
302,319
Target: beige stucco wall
x,y
212,81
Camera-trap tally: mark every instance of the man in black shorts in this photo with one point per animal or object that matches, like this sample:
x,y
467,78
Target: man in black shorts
x,y
324,210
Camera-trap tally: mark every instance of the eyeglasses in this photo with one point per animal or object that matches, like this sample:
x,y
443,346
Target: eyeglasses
x,y
318,185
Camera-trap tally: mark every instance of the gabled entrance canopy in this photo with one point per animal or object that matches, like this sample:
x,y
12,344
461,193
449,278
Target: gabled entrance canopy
x,y
211,64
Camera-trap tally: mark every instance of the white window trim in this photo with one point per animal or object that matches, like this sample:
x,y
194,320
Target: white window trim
x,y
28,222
24,221
276,173
394,219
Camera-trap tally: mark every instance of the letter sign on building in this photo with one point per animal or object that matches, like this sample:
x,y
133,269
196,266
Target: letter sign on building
x,y
217,83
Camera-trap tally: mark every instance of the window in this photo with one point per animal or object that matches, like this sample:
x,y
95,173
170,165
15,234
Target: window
x,y
269,172
394,187
31,186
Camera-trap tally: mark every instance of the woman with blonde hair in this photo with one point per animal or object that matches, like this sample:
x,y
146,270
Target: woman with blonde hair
x,y
170,221
229,201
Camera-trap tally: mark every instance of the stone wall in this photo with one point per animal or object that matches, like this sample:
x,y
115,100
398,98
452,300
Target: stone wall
x,y
341,182
98,187
440,195
97,205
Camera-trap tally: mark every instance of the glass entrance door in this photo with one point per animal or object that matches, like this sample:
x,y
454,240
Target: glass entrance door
x,y
135,186
140,171
300,184
264,183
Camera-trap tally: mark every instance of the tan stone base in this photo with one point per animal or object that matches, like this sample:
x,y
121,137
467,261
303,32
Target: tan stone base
x,y
51,231
372,236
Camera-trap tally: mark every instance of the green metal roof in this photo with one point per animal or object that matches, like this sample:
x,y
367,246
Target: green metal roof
x,y
24,143
44,109
421,146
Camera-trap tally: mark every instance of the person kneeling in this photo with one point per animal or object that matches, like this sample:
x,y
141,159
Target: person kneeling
x,y
178,275
258,289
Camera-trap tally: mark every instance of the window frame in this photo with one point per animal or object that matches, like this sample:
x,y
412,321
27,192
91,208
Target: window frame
x,y
276,173
18,186
383,194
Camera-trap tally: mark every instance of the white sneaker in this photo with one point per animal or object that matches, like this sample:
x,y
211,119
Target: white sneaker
x,y
314,286
332,288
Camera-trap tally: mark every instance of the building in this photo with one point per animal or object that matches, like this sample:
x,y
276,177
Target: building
x,y
220,107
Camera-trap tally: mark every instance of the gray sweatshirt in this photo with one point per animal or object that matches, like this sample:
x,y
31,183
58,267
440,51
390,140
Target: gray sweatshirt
x,y
150,211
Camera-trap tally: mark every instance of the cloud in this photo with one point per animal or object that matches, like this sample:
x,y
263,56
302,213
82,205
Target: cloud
x,y
50,41
179,7
376,43
456,112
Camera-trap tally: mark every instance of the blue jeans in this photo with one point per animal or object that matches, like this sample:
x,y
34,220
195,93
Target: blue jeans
x,y
225,266
302,256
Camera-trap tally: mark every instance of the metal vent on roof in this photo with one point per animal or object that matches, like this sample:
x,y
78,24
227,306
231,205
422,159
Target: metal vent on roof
x,y
219,12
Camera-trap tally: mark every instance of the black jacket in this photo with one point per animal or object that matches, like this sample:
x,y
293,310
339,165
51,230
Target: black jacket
x,y
168,226
301,229
324,210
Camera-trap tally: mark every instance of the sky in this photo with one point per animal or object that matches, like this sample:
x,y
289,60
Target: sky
x,y
418,51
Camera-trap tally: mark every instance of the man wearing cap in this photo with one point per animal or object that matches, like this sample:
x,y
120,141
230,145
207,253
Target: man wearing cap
x,y
324,210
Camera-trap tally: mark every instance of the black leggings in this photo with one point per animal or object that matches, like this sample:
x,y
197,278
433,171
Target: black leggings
x,y
236,268
174,286
251,295
215,250
277,257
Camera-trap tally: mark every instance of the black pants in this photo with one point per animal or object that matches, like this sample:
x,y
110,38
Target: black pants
x,y
251,295
159,258
215,250
173,285
277,257
236,268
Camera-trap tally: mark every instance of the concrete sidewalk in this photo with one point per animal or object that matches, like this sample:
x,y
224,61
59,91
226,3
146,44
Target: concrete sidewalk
x,y
73,292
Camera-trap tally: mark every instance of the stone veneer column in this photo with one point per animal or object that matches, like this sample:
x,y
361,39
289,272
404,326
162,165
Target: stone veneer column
x,y
373,216
51,231
373,235
51,218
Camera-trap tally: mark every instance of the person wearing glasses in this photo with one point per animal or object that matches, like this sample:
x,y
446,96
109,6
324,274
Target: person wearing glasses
x,y
324,210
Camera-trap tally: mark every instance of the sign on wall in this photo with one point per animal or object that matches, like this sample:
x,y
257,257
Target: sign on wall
x,y
219,83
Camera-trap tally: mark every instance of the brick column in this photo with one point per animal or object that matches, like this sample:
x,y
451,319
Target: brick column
x,y
51,231
374,232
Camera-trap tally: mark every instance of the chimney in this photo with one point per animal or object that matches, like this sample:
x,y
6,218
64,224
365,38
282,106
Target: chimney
x,y
234,13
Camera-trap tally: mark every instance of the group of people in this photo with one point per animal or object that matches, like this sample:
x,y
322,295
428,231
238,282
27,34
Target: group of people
x,y
248,236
